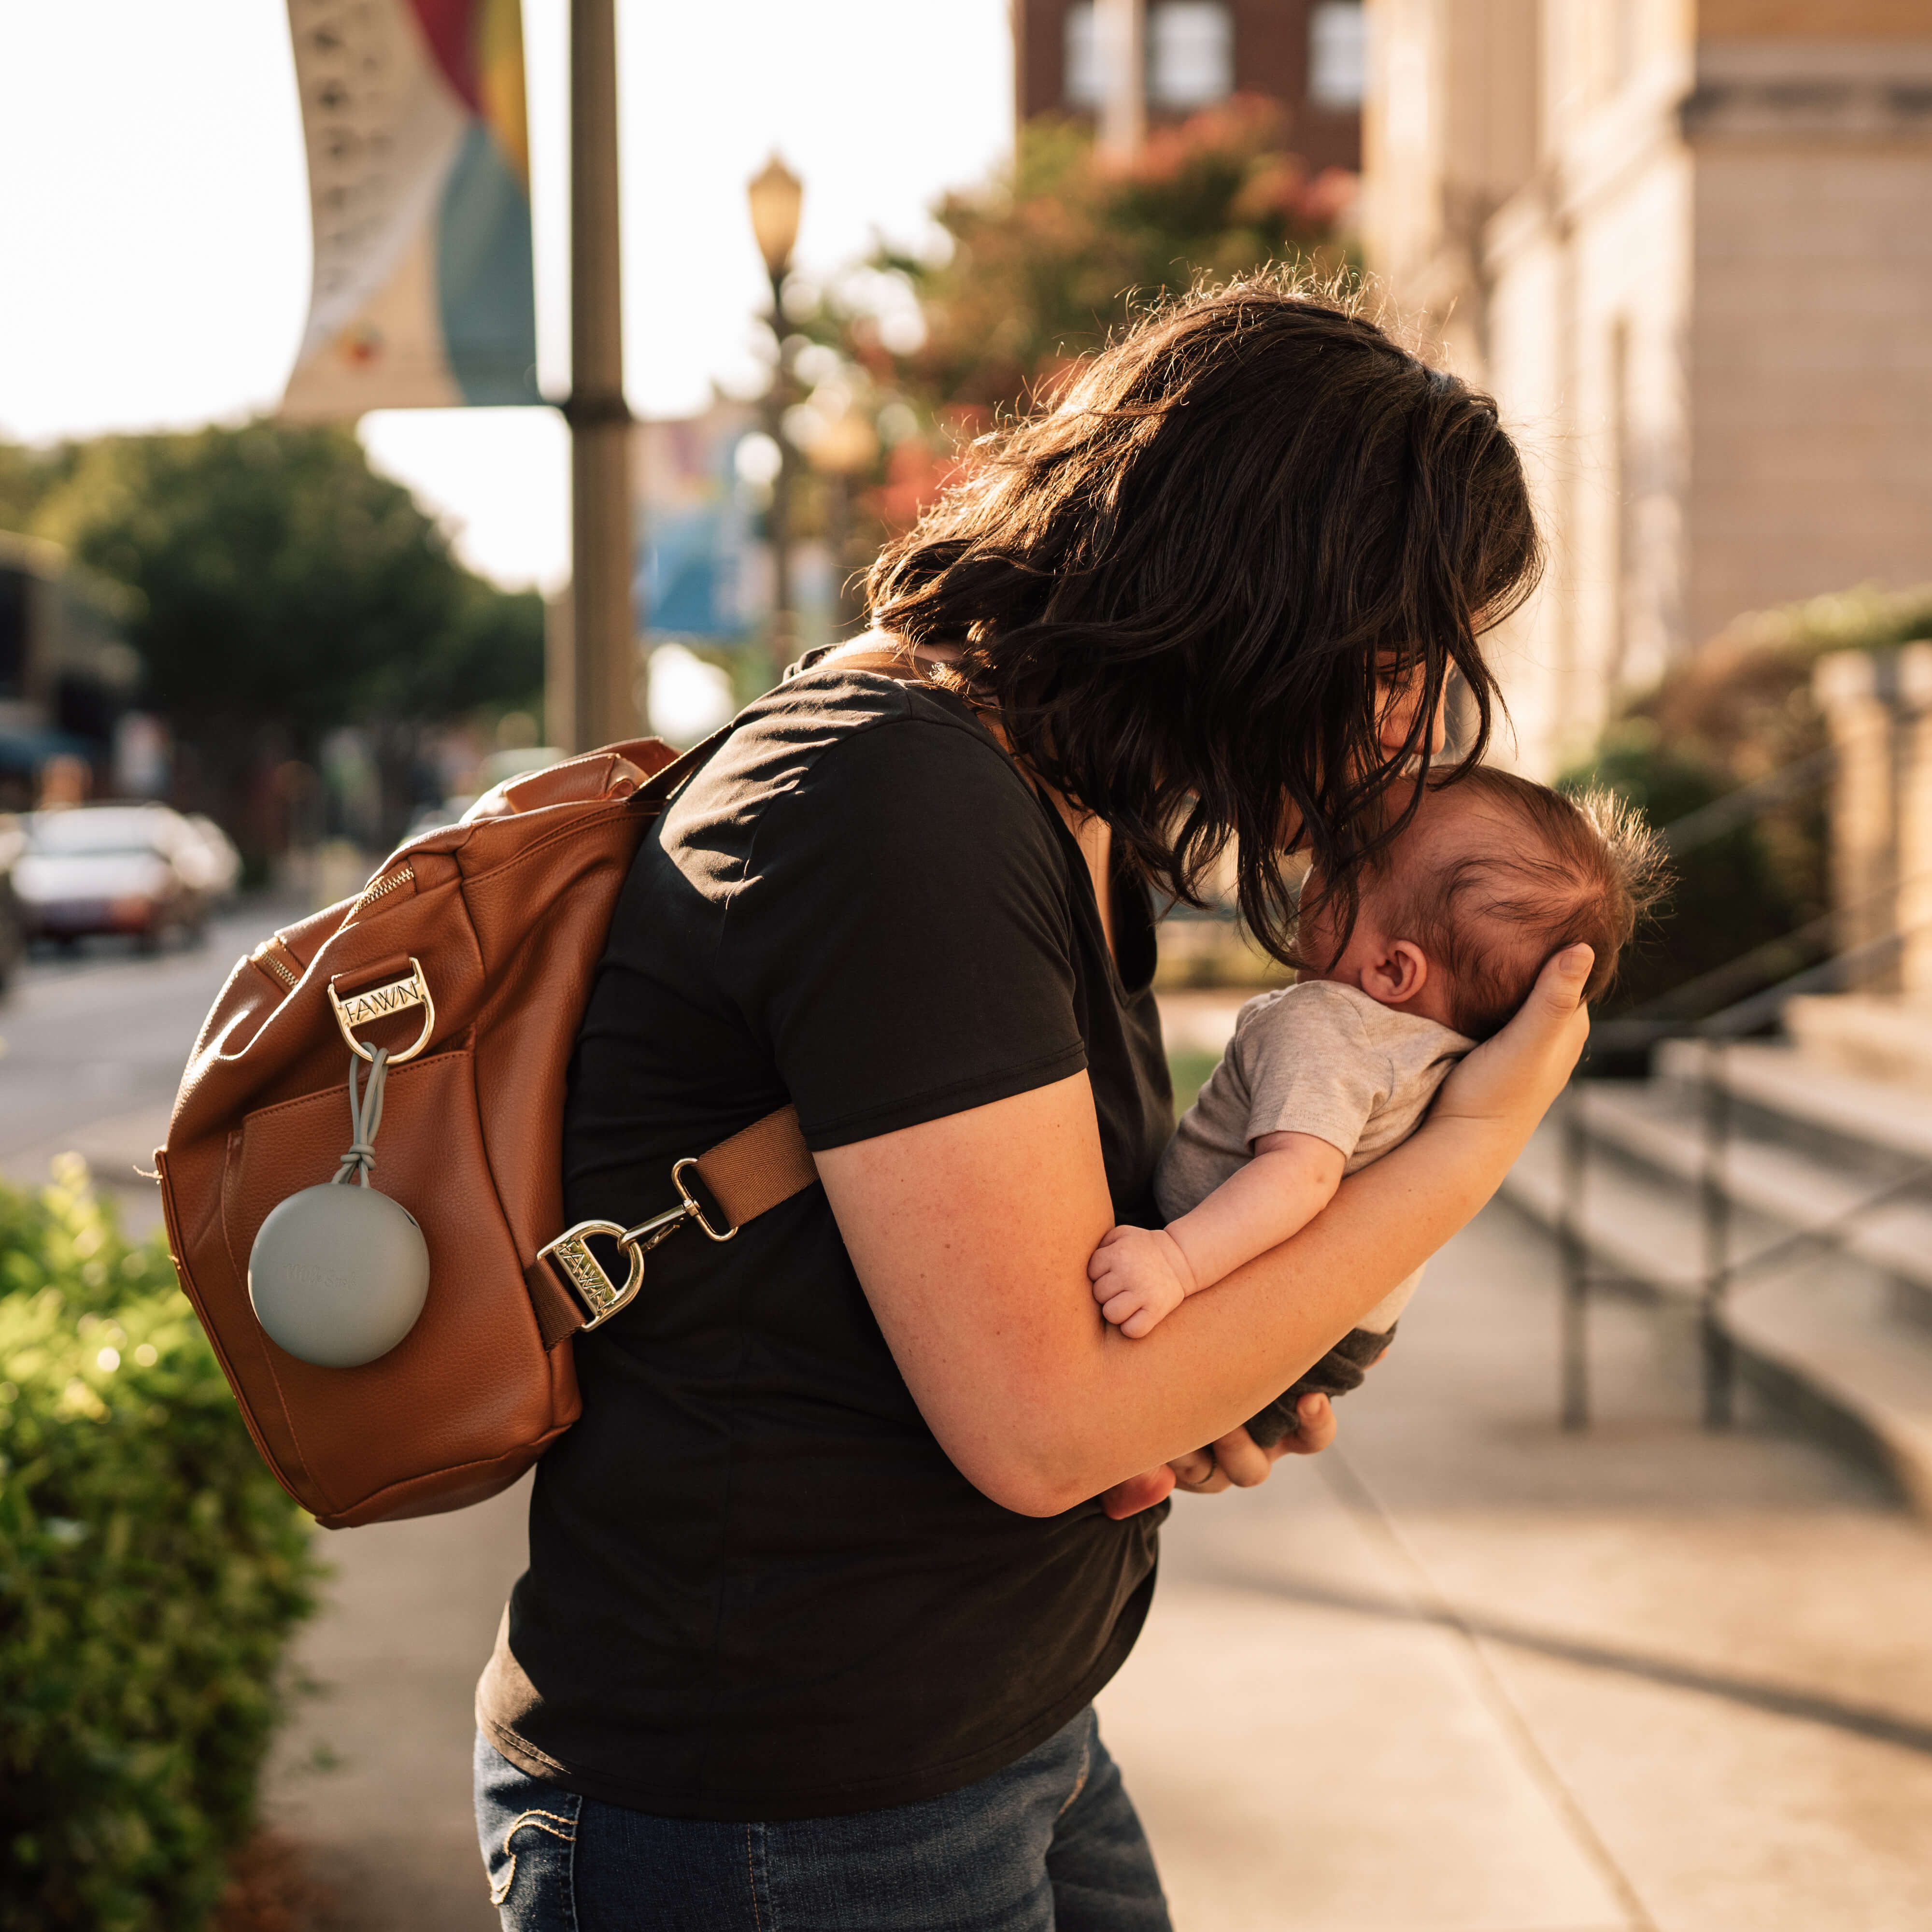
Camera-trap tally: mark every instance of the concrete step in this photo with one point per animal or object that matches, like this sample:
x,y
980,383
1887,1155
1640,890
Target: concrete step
x,y
1659,1129
1851,1114
1837,1336
1883,1036
1833,1337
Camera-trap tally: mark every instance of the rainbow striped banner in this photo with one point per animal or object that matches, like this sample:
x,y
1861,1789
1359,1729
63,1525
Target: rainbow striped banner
x,y
419,183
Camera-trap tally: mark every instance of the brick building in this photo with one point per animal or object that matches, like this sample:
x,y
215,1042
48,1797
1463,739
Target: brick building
x,y
1688,245
1308,55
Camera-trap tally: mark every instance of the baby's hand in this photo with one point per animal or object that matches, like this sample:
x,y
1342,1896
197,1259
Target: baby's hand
x,y
1139,1276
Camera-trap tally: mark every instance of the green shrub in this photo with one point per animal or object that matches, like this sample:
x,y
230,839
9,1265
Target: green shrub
x,y
150,1573
1737,712
1729,895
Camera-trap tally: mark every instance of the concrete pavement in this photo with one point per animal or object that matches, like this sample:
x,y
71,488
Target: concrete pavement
x,y
371,1777
1467,1673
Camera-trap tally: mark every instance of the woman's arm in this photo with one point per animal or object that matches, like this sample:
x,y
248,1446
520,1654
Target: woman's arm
x,y
971,1234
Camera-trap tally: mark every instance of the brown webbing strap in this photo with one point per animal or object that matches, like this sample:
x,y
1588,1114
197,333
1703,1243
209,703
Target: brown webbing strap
x,y
758,1167
747,1175
558,1313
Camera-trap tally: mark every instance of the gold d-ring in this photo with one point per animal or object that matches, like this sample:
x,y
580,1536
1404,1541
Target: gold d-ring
x,y
398,996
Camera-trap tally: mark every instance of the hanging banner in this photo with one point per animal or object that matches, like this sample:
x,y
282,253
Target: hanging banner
x,y
419,183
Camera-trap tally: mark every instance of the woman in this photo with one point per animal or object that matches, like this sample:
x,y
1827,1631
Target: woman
x,y
823,1584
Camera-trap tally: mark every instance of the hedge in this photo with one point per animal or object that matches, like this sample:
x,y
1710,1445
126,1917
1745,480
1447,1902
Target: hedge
x,y
1736,710
151,1572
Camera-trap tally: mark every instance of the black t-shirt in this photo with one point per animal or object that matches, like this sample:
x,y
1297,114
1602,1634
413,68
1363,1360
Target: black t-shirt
x,y
758,1589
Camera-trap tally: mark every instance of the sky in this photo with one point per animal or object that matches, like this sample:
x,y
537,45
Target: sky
x,y
154,214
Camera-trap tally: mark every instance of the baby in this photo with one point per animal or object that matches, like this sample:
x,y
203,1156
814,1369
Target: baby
x,y
1491,877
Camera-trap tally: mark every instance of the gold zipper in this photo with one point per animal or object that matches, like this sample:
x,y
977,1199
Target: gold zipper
x,y
380,889
270,964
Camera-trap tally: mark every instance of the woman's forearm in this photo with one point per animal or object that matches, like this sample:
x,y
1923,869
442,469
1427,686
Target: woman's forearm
x,y
971,1235
1121,1406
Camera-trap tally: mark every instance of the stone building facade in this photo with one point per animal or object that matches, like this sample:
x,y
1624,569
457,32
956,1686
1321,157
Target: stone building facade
x,y
1688,245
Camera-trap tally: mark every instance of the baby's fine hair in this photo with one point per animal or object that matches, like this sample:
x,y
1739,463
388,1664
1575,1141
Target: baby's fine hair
x,y
1584,870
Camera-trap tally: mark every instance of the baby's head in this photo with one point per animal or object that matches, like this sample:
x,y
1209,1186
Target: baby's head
x,y
1493,876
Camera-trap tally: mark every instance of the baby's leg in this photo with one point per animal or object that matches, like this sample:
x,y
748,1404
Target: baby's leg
x,y
1341,1368
1338,1371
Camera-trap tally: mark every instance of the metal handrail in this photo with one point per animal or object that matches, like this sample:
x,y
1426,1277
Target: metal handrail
x,y
1720,1271
1738,808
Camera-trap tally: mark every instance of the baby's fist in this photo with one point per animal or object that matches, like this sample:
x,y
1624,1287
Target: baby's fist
x,y
1139,1278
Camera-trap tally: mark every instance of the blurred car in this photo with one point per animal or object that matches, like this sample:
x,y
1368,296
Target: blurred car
x,y
223,870
144,870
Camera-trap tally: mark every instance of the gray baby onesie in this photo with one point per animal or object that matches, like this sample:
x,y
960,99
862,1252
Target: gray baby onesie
x,y
1321,1058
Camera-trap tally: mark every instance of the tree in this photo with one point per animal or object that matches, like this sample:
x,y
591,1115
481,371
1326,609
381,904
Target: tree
x,y
26,476
281,581
1047,259
280,589
1053,255
1740,710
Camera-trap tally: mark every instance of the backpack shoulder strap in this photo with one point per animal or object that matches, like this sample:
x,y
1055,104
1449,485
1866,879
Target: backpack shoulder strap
x,y
740,1179
658,790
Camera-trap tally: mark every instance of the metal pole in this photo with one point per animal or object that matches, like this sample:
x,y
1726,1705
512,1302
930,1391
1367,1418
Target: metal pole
x,y
604,639
1720,1357
777,519
1574,1252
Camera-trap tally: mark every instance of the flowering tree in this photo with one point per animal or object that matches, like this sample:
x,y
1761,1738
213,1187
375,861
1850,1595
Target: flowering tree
x,y
1048,258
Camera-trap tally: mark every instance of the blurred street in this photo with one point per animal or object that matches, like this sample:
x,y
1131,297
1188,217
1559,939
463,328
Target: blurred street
x,y
94,1048
1463,1674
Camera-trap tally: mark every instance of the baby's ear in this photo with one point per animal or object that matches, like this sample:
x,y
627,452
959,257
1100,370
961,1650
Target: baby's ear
x,y
1395,977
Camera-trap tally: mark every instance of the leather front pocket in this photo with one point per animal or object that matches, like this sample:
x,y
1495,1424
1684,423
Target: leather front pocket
x,y
469,1381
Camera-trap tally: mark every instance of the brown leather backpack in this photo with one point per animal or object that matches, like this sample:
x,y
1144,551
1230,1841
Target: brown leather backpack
x,y
469,956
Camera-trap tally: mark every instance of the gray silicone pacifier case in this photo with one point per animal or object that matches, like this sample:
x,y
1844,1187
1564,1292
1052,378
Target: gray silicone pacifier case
x,y
338,1275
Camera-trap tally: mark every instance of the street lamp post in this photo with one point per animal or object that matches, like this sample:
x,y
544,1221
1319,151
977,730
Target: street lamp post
x,y
776,196
597,695
845,447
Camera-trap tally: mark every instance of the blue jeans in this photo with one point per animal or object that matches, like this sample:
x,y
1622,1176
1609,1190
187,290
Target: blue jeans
x,y
1049,1844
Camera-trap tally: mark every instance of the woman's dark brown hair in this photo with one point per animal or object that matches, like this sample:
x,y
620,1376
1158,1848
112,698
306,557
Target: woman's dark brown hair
x,y
1179,585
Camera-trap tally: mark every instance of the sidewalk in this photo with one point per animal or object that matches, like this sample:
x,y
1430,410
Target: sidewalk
x,y
1462,1674
371,1778
1466,1672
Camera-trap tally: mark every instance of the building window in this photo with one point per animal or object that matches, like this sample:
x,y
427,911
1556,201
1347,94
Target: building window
x,y
1338,55
1190,54
1083,87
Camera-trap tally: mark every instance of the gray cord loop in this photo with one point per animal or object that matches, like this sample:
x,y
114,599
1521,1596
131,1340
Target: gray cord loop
x,y
365,1116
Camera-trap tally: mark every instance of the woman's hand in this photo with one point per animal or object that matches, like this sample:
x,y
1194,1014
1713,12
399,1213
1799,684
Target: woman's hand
x,y
1509,1081
1236,1461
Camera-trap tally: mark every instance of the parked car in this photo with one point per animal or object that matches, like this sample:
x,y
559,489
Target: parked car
x,y
144,870
224,861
